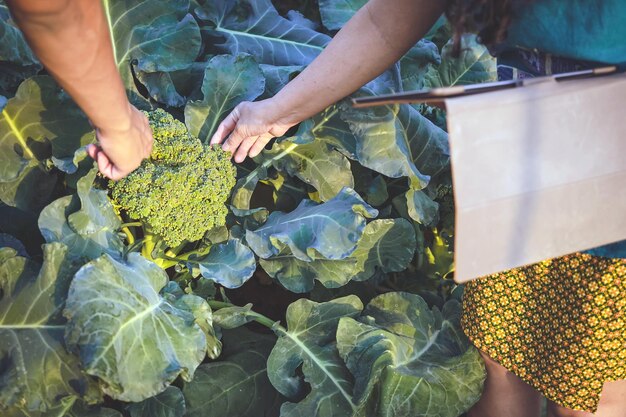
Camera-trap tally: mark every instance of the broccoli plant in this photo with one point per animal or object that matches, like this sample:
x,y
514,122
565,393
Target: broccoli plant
x,y
178,194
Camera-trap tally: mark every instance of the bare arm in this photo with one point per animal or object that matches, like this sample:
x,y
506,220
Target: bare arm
x,y
71,38
376,37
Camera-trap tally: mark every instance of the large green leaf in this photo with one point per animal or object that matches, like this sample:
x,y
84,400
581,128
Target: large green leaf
x,y
85,222
330,230
255,27
399,142
134,339
14,48
328,127
229,264
408,360
36,370
161,88
169,403
299,276
173,88
237,385
244,188
17,61
417,64
385,246
228,80
336,13
151,36
276,77
309,344
315,163
39,122
422,208
474,65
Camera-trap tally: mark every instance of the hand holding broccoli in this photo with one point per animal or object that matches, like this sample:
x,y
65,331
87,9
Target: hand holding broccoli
x,y
180,191
120,151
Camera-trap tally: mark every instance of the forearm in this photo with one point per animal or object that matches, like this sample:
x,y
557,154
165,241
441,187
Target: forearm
x,y
71,38
376,37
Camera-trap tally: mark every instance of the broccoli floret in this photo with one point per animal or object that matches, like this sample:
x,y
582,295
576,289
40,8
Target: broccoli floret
x,y
180,191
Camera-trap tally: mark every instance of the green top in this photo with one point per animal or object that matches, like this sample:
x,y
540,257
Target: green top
x,y
577,29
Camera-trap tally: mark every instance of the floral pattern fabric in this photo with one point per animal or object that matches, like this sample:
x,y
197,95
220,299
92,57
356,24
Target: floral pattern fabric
x,y
559,325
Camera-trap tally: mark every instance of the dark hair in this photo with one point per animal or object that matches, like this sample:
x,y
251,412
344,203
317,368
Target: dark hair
x,y
489,19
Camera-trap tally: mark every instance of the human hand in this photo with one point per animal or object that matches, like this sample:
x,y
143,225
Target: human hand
x,y
120,150
250,126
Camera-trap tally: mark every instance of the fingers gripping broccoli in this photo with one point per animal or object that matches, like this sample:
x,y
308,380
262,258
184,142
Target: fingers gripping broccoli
x,y
180,191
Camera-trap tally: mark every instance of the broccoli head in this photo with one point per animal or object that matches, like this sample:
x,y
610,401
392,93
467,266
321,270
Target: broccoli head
x,y
180,191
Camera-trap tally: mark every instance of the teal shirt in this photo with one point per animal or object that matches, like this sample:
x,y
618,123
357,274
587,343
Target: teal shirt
x,y
585,30
591,30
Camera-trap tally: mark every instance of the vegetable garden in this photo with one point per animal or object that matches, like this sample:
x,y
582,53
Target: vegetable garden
x,y
319,286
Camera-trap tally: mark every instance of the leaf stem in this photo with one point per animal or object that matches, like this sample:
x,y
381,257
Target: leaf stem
x,y
259,318
129,235
325,119
176,259
131,224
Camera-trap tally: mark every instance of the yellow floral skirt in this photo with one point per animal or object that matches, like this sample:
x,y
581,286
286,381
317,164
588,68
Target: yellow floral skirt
x,y
559,325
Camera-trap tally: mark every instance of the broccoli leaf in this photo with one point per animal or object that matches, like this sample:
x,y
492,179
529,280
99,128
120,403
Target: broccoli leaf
x,y
399,142
17,61
233,317
331,229
228,80
161,88
244,188
309,342
474,65
409,360
418,63
237,385
122,327
395,357
229,264
328,127
336,13
255,27
86,222
375,189
36,370
169,403
299,276
39,122
386,245
315,163
276,77
151,36
422,208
